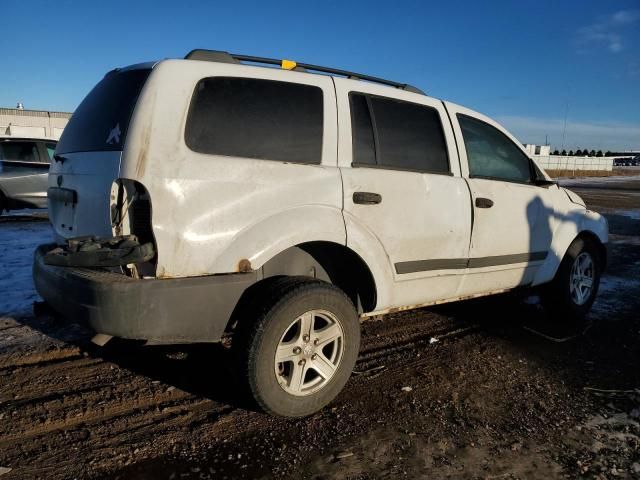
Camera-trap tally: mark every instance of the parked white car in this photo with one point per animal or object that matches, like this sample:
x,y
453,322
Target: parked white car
x,y
199,197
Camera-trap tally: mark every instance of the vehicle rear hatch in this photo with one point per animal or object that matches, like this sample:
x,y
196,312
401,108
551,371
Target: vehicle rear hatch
x,y
87,158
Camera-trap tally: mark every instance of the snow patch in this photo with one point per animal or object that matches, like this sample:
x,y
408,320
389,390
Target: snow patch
x,y
18,240
613,290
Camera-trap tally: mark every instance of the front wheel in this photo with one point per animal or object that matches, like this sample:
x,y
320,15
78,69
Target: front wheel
x,y
573,290
299,350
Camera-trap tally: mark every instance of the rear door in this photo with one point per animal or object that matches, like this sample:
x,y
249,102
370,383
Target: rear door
x,y
513,217
87,157
403,189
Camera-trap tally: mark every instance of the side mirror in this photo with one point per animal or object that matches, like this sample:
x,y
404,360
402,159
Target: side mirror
x,y
543,182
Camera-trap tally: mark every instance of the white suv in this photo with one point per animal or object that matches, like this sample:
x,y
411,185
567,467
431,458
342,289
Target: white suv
x,y
200,197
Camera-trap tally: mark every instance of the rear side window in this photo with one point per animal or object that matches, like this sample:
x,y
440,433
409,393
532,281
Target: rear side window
x,y
397,134
101,121
253,118
364,148
51,148
19,152
491,154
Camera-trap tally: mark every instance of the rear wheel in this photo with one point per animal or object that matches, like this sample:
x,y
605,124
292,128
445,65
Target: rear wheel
x,y
298,352
573,290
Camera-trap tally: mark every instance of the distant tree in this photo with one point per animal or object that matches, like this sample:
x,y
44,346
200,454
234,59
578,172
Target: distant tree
x,y
592,153
571,153
599,153
564,152
556,152
579,153
608,154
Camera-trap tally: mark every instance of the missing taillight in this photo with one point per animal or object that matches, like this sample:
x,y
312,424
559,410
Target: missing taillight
x,y
131,215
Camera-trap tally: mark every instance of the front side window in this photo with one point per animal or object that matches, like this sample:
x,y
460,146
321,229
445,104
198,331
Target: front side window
x,y
397,134
254,118
491,154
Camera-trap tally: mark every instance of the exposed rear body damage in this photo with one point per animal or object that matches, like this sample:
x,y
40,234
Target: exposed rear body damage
x,y
280,205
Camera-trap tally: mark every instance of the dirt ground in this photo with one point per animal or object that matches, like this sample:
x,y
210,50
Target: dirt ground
x,y
483,389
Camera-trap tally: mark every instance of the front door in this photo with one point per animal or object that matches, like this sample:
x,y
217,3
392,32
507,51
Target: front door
x,y
512,215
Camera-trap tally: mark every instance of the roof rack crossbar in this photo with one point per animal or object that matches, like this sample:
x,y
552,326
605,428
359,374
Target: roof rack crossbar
x,y
214,55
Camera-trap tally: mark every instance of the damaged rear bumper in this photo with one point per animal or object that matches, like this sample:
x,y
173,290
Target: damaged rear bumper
x,y
180,310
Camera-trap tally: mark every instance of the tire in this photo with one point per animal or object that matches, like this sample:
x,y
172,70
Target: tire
x,y
560,297
310,374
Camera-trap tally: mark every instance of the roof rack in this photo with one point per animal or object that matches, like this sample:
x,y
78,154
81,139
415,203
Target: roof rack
x,y
225,57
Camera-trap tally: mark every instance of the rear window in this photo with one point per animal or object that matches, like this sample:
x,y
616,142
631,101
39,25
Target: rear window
x,y
101,121
19,152
253,118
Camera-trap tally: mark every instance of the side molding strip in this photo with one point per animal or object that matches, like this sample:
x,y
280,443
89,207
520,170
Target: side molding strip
x,y
459,263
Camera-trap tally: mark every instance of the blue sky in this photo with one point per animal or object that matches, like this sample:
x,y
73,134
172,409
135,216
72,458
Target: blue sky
x,y
527,64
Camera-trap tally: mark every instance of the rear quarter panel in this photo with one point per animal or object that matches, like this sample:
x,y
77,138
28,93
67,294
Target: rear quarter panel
x,y
212,213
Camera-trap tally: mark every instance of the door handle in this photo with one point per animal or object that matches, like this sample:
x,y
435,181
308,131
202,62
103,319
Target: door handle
x,y
366,198
484,202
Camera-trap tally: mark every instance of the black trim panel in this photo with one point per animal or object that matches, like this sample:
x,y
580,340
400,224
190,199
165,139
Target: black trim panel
x,y
506,259
426,265
21,163
459,263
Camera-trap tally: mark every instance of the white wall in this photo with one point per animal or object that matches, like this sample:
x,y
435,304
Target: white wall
x,y
560,162
38,122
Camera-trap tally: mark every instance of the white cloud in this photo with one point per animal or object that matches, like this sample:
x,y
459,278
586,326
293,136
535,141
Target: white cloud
x,y
578,134
625,16
606,33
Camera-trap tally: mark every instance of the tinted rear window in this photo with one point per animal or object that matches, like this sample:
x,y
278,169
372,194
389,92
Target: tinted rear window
x,y
101,121
252,118
397,134
364,145
19,152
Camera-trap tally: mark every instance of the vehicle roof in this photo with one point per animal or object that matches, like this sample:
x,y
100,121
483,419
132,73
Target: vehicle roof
x,y
4,137
215,56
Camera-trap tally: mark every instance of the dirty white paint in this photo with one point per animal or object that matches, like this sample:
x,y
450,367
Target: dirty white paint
x,y
214,214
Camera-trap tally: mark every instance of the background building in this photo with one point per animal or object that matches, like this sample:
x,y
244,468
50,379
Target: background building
x,y
32,123
538,149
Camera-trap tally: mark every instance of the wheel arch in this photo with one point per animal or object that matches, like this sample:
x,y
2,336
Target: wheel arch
x,y
328,261
601,247
561,243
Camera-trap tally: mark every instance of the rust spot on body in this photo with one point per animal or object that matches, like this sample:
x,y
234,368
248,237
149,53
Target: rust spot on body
x,y
403,308
141,161
244,265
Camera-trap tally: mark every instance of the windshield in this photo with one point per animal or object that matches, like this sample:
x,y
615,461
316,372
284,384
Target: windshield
x,y
101,121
